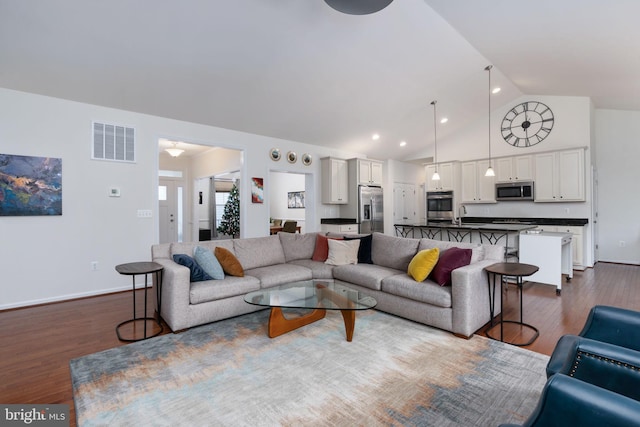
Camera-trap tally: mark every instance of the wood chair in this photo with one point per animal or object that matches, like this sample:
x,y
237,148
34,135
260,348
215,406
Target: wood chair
x,y
289,226
277,222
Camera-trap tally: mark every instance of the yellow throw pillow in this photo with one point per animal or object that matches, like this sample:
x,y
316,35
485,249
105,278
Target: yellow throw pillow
x,y
422,264
229,262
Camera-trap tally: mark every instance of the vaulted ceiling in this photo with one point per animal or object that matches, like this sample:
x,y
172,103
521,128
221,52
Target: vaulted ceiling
x,y
301,71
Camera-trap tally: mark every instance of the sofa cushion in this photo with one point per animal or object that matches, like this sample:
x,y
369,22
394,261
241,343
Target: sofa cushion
x,y
428,292
229,287
422,264
297,246
259,251
449,260
366,275
280,274
209,263
229,262
319,270
477,250
188,247
364,252
393,252
343,252
321,251
196,273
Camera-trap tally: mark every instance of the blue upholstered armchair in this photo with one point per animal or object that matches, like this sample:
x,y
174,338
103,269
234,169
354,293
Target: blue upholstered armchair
x,y
566,401
613,325
605,353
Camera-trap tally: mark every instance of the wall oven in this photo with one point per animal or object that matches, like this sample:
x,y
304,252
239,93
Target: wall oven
x,y
440,206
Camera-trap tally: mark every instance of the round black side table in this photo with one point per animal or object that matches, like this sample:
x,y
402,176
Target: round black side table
x,y
138,268
508,269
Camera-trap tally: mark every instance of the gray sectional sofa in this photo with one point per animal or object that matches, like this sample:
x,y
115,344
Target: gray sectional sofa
x,y
461,308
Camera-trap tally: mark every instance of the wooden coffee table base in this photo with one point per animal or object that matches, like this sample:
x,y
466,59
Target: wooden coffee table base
x,y
279,325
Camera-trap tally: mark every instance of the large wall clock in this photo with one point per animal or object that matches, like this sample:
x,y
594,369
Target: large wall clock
x,y
527,124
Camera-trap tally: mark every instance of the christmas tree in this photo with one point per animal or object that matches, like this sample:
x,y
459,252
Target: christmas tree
x,y
230,224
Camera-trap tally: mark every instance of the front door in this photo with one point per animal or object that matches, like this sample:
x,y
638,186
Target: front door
x,y
170,200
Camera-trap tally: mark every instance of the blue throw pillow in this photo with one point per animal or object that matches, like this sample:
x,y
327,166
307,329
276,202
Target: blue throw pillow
x,y
364,252
197,273
209,263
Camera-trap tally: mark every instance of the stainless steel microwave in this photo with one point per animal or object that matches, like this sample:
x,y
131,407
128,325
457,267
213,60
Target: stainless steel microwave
x,y
514,191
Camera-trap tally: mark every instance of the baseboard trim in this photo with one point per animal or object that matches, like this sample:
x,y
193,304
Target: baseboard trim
x,y
67,297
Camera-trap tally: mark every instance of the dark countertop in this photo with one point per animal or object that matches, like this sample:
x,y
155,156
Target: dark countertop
x,y
338,221
579,222
478,226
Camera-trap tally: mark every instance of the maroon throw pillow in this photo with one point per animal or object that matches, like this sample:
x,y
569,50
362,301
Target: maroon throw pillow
x,y
449,260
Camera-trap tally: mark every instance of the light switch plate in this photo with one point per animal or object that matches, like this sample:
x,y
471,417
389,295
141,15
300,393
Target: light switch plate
x,y
114,192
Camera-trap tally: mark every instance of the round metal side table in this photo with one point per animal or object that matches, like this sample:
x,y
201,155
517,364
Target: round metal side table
x,y
508,269
138,268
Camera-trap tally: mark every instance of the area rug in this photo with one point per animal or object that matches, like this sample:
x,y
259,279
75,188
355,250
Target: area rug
x,y
229,373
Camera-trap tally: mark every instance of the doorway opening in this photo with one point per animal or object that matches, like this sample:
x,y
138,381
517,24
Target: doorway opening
x,y
289,199
182,211
217,219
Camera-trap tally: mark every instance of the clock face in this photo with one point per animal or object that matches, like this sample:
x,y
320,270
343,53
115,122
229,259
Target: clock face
x,y
527,124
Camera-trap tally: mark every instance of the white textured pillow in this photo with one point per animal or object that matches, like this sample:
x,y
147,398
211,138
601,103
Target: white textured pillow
x,y
343,252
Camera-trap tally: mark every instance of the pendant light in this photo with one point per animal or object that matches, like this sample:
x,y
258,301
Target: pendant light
x,y
174,151
358,7
489,171
436,175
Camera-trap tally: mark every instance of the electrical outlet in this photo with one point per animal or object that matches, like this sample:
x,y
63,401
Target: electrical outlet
x,y
622,243
94,265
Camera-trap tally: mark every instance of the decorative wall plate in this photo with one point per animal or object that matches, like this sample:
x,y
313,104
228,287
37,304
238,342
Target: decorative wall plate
x,y
292,157
275,154
306,159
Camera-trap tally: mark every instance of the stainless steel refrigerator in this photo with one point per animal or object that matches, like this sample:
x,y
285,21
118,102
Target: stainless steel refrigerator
x,y
370,209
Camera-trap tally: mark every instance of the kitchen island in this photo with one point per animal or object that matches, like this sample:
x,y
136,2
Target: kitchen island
x,y
489,234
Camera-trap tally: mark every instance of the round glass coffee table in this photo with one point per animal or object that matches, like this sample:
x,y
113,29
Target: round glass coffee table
x,y
319,295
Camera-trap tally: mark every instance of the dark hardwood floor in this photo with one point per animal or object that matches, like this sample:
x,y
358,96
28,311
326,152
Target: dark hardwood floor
x,y
38,342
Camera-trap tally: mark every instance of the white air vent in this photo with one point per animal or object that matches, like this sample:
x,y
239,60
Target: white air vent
x,y
113,142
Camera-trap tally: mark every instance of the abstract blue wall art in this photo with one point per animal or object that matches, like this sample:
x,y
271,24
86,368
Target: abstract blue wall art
x,y
30,185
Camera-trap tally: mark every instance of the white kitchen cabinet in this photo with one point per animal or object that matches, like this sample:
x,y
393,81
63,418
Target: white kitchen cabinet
x,y
551,253
368,172
334,176
518,168
447,178
404,204
339,228
559,176
577,240
476,187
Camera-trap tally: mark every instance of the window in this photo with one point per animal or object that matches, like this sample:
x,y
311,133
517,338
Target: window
x,y
221,201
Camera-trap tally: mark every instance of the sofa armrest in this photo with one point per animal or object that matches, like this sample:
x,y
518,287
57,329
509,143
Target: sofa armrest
x,y
176,286
566,401
613,325
604,365
470,298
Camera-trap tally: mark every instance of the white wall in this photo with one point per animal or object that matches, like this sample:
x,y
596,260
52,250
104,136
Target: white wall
x,y
48,258
572,128
617,153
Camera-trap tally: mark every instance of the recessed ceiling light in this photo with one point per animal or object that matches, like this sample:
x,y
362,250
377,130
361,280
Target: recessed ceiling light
x,y
444,120
403,143
375,137
496,90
